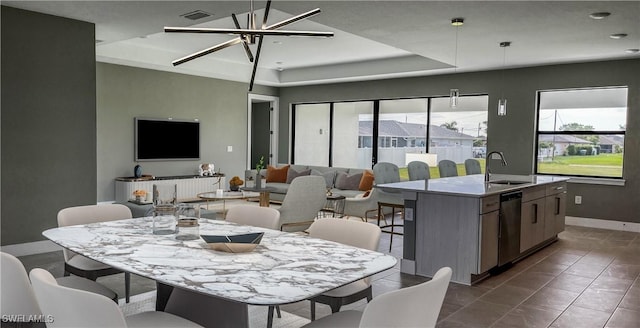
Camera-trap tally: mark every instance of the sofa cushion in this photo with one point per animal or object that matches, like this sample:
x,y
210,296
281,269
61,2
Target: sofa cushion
x,y
278,187
292,174
277,174
366,183
346,193
349,182
329,176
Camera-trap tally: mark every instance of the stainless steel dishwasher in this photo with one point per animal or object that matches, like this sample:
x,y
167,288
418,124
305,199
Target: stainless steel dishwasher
x,y
509,235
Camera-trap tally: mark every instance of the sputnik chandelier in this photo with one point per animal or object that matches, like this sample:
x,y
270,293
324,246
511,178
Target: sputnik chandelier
x,y
247,36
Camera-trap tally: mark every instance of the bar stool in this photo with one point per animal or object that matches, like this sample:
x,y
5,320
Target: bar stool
x,y
394,209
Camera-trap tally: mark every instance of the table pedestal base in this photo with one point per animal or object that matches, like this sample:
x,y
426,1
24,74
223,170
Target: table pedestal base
x,y
208,311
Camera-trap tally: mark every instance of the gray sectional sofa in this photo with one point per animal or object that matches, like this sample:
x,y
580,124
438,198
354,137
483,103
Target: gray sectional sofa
x,y
340,180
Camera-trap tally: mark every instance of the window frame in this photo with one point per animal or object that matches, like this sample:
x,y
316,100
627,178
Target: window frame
x,y
538,133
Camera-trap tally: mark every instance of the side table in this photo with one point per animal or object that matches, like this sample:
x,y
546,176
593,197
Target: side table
x,y
334,205
264,194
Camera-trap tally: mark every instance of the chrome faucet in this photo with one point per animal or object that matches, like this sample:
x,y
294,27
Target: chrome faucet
x,y
487,171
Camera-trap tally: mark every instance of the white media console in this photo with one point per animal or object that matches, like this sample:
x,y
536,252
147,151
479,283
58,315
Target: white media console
x,y
188,186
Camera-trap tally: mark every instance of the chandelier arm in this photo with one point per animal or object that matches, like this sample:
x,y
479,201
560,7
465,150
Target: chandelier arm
x,y
293,19
207,51
234,31
266,14
255,63
243,37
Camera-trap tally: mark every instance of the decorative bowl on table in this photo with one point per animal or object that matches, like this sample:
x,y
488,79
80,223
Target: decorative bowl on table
x,y
234,243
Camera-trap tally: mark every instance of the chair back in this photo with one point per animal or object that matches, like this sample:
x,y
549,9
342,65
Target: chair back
x,y
352,233
447,168
418,171
417,306
305,197
472,166
384,172
90,214
72,307
16,294
257,216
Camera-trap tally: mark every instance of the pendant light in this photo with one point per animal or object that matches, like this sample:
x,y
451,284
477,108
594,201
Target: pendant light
x,y
454,94
502,102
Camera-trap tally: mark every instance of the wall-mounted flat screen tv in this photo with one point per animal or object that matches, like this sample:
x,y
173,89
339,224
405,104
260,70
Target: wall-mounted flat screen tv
x,y
166,139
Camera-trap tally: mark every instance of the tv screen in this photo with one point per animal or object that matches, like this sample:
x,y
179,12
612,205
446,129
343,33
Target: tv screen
x,y
166,139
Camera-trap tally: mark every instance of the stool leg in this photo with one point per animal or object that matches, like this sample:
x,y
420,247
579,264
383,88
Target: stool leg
x,y
393,216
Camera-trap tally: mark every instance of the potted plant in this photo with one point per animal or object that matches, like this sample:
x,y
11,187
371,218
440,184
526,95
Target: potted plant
x,y
259,167
235,183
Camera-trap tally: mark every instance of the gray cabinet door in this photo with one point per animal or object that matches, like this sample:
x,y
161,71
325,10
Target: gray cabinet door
x,y
489,227
532,224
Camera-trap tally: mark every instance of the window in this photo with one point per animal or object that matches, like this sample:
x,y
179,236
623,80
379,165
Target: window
x,y
361,133
581,132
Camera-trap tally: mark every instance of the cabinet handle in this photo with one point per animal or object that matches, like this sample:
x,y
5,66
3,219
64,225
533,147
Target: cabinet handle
x,y
491,204
559,188
534,219
557,205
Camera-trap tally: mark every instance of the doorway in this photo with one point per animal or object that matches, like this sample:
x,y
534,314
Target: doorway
x,y
262,130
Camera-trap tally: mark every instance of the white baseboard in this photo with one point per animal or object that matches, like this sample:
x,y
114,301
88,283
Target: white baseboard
x,y
36,247
603,224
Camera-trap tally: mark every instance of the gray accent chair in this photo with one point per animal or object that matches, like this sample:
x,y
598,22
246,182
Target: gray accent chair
x,y
352,233
447,168
418,171
305,197
82,266
472,166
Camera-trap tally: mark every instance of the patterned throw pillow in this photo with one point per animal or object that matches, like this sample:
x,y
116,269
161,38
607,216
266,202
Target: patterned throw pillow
x,y
278,174
292,174
348,182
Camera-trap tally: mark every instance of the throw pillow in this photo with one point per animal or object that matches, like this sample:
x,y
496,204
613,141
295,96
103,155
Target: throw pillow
x,y
292,174
366,183
277,174
329,177
348,182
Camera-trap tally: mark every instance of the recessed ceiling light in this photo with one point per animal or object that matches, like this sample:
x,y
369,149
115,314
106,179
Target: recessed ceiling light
x,y
195,15
632,51
457,21
600,15
618,36
280,69
278,63
277,42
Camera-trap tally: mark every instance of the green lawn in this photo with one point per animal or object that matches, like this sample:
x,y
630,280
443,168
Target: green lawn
x,y
607,165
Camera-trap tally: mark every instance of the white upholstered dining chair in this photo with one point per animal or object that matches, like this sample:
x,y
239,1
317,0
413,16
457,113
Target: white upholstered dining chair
x,y
16,294
76,308
257,216
82,266
352,233
417,306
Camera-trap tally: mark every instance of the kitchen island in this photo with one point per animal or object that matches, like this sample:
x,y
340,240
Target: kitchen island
x,y
476,227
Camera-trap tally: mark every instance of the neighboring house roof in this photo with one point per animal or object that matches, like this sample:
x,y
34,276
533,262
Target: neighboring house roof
x,y
391,128
611,140
562,138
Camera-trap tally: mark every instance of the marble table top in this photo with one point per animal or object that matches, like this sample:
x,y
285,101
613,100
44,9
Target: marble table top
x,y
284,268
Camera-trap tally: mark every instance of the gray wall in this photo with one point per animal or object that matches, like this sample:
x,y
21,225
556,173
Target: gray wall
x,y
513,134
127,92
48,121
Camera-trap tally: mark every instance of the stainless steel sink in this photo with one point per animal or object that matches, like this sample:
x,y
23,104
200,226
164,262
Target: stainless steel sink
x,y
507,182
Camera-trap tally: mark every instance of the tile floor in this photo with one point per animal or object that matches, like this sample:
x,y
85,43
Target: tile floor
x,y
588,278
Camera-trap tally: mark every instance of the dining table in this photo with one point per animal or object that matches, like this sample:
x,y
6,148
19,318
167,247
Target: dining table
x,y
284,268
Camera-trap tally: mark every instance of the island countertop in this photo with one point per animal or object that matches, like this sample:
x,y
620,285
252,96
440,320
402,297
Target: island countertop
x,y
472,185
